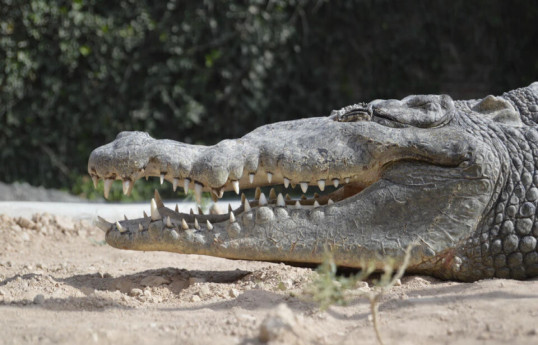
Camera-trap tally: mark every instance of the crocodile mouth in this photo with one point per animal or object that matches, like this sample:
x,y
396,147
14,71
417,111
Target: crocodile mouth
x,y
298,197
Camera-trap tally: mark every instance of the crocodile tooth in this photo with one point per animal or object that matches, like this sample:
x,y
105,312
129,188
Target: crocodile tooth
x,y
191,211
147,177
280,200
230,209
126,184
330,202
303,197
263,200
177,208
232,217
316,203
184,224
196,225
297,204
125,217
336,182
246,206
321,185
200,211
158,199
243,198
168,222
162,178
140,227
251,178
346,180
209,225
304,187
108,184
95,180
269,177
120,228
286,182
145,214
198,192
186,185
272,194
257,193
102,224
155,215
214,192
287,197
316,196
174,184
235,185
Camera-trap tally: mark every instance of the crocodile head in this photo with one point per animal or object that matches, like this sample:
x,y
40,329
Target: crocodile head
x,y
424,170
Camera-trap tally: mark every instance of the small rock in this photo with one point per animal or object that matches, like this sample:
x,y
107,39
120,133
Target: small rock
x,y
65,224
147,293
234,293
204,291
136,292
195,298
25,223
278,321
25,237
39,299
40,266
398,282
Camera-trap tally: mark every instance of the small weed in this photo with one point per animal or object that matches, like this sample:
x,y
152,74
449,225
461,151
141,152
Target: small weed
x,y
331,289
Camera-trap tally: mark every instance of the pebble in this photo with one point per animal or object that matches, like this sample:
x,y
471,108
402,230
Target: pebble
x,y
195,298
204,290
25,223
234,293
39,299
136,292
278,321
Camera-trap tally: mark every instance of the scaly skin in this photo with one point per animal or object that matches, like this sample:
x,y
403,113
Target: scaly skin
x,y
457,179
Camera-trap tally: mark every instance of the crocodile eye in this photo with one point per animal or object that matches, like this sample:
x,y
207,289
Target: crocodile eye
x,y
419,111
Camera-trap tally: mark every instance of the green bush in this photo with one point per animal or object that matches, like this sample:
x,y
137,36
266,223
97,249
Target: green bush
x,y
75,73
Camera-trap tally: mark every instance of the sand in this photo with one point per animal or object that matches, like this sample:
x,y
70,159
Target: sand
x,y
61,284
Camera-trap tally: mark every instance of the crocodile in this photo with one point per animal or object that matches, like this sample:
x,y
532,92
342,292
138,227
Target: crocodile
x,y
455,179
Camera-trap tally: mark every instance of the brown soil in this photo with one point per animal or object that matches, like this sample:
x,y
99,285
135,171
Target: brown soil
x,y
59,283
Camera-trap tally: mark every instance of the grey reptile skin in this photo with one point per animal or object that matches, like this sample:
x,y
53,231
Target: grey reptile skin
x,y
458,179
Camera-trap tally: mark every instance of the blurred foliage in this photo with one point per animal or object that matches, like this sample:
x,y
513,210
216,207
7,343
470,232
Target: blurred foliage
x,y
75,73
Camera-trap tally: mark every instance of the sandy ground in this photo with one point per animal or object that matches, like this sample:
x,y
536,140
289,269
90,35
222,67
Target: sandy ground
x,y
60,284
